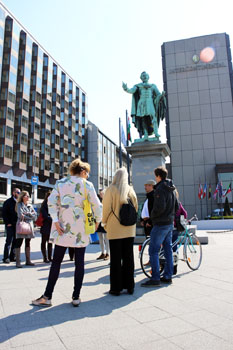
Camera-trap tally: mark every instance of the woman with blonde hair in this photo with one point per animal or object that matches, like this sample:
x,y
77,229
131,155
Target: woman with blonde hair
x,y
25,212
68,228
120,237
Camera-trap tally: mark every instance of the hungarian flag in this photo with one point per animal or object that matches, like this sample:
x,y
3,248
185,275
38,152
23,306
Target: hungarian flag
x,y
205,190
128,129
209,192
200,191
228,190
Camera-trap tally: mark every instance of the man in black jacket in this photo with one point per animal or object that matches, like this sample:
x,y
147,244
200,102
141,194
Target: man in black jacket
x,y
162,216
10,218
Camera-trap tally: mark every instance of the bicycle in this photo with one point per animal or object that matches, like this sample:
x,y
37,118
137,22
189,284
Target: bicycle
x,y
192,251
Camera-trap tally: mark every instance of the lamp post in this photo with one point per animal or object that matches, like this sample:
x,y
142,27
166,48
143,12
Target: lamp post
x,y
34,185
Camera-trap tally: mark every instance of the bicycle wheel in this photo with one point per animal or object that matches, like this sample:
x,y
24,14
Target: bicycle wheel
x,y
193,252
145,258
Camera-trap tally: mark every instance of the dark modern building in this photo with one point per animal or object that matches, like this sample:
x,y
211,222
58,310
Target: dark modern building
x,y
198,80
43,113
103,156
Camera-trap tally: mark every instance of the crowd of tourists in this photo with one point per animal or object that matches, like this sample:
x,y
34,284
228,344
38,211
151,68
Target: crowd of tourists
x,y
62,220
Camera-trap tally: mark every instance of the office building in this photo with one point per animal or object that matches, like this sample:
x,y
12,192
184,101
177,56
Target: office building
x,y
43,113
103,156
198,80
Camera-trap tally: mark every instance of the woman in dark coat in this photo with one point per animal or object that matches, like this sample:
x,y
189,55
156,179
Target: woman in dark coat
x,y
45,230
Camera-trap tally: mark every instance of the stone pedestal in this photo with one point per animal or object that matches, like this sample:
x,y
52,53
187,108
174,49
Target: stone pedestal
x,y
146,156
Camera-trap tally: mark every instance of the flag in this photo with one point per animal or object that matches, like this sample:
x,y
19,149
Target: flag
x,y
209,192
128,129
220,192
204,191
200,191
123,138
215,192
228,190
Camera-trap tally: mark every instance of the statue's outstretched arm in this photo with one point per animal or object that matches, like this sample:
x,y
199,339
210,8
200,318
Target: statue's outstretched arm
x,y
130,91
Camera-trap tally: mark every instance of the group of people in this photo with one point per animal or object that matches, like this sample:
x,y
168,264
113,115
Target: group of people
x,y
64,211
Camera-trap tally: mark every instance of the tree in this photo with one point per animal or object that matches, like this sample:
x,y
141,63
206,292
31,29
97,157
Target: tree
x,y
227,209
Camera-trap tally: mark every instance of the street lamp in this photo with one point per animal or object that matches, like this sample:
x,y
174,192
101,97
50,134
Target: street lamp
x,y
34,180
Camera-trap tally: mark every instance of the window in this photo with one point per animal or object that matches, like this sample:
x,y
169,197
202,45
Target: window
x,y
10,114
38,97
11,97
37,129
24,122
46,165
16,156
2,131
25,105
9,133
57,154
38,113
47,150
49,105
37,145
24,139
47,135
23,157
57,140
8,152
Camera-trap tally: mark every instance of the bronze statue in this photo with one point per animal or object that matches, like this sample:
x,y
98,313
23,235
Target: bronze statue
x,y
148,107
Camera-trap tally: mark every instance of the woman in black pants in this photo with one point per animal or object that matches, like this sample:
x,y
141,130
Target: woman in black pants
x,y
45,230
66,207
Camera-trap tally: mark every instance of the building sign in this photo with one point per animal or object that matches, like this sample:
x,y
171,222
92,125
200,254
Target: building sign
x,y
197,67
34,180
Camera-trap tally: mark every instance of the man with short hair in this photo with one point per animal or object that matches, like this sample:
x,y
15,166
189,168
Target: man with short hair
x,y
148,206
10,218
162,217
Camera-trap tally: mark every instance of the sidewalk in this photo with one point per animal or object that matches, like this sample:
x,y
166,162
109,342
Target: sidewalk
x,y
194,313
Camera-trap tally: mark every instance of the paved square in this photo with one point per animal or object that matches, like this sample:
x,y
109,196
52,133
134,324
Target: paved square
x,y
195,312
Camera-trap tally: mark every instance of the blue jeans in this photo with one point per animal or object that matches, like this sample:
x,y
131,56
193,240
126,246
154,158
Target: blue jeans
x,y
161,235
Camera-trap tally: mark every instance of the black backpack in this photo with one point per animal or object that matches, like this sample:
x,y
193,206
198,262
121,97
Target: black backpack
x,y
128,214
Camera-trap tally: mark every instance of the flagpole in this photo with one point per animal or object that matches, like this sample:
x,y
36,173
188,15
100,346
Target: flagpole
x,y
120,149
127,144
207,207
201,198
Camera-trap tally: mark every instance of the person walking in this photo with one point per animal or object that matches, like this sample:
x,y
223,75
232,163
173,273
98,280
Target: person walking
x,y
162,216
120,237
102,234
10,218
45,230
25,212
68,228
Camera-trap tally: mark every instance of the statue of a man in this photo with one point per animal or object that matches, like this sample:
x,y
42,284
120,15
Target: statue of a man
x,y
148,107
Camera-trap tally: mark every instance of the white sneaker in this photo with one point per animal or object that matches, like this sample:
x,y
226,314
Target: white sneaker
x,y
76,302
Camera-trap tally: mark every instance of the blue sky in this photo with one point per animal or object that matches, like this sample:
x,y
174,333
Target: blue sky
x,y
101,43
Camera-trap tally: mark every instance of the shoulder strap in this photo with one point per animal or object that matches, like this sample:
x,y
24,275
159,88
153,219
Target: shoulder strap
x,y
85,188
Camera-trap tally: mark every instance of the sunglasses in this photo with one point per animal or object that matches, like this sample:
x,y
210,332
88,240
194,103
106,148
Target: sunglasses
x,y
18,192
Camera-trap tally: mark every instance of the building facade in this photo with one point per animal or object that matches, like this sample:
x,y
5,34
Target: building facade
x,y
198,80
103,156
43,113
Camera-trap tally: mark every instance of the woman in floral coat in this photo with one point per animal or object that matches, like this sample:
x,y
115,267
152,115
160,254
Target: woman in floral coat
x,y
68,229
